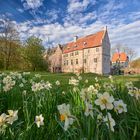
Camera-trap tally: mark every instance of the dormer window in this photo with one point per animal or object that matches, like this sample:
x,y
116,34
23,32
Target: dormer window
x,y
85,43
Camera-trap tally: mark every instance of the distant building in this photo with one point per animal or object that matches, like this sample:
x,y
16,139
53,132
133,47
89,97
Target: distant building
x,y
120,59
87,54
55,59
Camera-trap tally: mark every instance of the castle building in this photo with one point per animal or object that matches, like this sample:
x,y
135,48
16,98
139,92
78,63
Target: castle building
x,y
89,54
120,59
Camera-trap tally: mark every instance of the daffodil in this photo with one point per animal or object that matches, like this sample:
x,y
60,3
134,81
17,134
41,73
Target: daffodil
x,y
39,120
91,89
37,75
79,77
110,122
96,79
104,101
86,95
37,87
65,115
120,106
12,116
57,83
88,109
73,81
3,117
111,78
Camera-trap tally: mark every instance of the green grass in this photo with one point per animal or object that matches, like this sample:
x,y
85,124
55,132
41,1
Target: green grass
x,y
45,102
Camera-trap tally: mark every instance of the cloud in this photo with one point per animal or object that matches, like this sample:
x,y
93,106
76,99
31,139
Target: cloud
x,y
79,6
32,4
123,28
20,10
126,34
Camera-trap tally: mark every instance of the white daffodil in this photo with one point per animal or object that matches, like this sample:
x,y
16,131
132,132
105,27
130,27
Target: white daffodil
x,y
21,85
65,115
134,91
88,109
79,77
91,89
120,106
23,80
110,122
73,81
100,117
104,101
12,116
39,120
96,79
86,81
48,85
37,75
129,84
111,78
2,119
8,83
63,92
36,87
57,83
97,86
85,94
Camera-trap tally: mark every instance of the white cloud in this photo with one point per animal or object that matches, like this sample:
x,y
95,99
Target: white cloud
x,y
76,22
32,4
20,10
127,34
78,6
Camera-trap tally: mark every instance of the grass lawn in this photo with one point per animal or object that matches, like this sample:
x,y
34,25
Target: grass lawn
x,y
36,107
64,78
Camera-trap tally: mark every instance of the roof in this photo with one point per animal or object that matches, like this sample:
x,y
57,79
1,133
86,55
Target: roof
x,y
119,56
90,41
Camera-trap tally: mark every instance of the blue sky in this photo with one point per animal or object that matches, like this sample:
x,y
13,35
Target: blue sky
x,y
57,21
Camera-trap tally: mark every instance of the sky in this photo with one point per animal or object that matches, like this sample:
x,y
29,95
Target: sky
x,y
58,21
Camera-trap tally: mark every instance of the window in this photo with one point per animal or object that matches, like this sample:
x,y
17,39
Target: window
x,y
67,62
85,61
71,62
71,54
97,49
66,55
95,60
76,61
88,50
76,53
64,62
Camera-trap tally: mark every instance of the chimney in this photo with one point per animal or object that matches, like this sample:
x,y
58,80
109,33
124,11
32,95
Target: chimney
x,y
75,38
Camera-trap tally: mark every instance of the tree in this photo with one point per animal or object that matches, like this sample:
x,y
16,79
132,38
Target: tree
x,y
131,53
9,43
33,53
135,63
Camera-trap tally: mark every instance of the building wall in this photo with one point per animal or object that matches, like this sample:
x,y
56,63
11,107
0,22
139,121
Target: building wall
x,y
93,60
56,60
72,61
106,55
89,60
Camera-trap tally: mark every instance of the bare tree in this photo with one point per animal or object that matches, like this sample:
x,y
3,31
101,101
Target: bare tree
x,y
131,53
9,39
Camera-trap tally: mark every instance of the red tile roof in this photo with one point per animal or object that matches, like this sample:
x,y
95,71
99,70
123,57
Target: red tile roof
x,y
89,41
119,56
